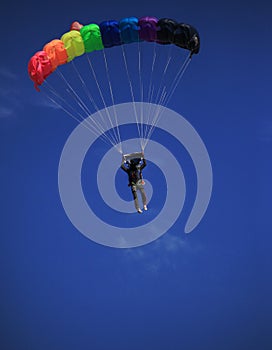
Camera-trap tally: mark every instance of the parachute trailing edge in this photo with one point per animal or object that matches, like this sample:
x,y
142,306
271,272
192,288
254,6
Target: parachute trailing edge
x,y
83,39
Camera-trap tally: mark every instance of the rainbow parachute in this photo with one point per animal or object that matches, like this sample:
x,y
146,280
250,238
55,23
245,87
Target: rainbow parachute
x,y
83,39
136,73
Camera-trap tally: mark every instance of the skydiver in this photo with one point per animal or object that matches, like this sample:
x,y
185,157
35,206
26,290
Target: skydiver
x,y
134,169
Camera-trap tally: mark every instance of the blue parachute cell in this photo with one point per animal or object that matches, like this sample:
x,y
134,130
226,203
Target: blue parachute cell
x,y
129,30
110,33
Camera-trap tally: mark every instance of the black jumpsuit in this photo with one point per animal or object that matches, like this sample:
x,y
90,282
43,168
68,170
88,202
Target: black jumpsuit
x,y
135,181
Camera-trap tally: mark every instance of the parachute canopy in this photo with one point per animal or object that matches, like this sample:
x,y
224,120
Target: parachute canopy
x,y
134,71
87,38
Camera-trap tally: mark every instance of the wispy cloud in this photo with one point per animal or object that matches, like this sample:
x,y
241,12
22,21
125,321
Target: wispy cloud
x,y
9,103
7,74
10,93
5,112
174,244
46,102
160,254
8,84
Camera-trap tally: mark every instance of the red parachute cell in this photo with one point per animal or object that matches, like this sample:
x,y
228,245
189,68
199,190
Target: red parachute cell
x,y
76,26
39,68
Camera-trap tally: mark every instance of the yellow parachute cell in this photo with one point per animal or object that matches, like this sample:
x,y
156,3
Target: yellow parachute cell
x,y
74,44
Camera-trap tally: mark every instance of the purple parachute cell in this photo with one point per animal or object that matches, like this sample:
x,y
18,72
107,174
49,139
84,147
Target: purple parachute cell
x,y
148,28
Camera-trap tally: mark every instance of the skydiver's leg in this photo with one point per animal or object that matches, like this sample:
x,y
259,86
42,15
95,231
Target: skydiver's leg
x,y
142,191
135,197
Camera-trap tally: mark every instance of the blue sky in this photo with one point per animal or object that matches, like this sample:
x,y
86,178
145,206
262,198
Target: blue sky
x,y
210,289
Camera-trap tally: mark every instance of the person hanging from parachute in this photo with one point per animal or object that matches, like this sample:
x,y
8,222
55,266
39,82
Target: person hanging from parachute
x,y
78,101
133,165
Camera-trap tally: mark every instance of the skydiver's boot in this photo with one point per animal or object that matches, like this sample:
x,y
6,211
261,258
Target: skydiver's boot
x,y
139,211
145,207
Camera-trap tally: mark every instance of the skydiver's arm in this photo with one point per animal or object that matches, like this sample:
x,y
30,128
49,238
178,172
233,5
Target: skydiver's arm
x,y
143,165
123,167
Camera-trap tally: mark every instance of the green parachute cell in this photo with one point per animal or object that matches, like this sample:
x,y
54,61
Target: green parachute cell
x,y
91,36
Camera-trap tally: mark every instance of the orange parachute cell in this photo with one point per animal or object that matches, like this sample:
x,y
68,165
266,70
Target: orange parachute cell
x,y
39,67
56,52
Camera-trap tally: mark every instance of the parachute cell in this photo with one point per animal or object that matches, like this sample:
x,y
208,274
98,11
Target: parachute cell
x,y
73,43
129,30
148,28
194,40
110,33
166,30
91,36
56,53
76,26
39,68
187,37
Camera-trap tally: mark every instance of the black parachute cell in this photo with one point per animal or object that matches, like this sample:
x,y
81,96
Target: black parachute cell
x,y
165,30
187,37
194,42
